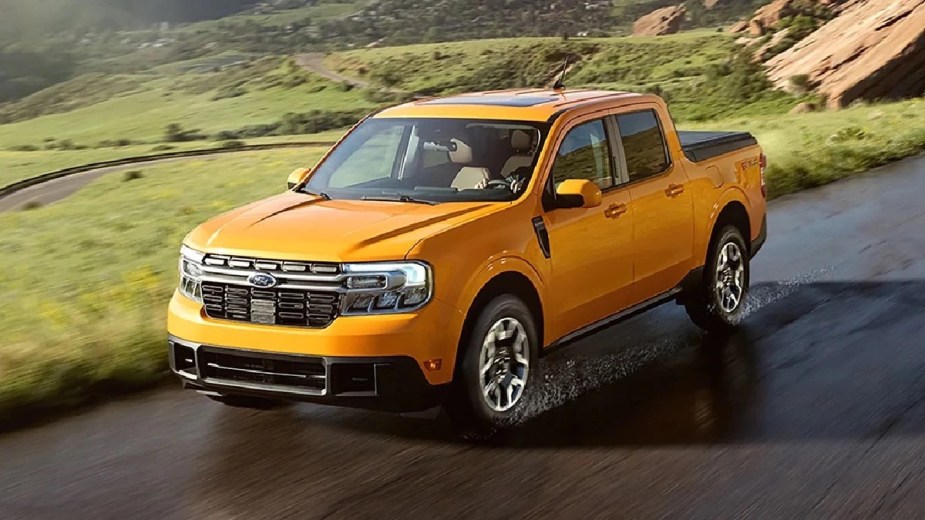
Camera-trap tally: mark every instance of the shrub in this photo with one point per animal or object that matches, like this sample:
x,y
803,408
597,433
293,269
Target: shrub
x,y
849,133
115,143
295,124
174,133
231,144
132,175
800,83
229,91
24,148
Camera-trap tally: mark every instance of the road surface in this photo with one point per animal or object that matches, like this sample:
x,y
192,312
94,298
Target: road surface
x,y
815,409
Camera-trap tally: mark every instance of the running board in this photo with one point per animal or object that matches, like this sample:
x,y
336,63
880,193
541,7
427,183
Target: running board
x,y
613,319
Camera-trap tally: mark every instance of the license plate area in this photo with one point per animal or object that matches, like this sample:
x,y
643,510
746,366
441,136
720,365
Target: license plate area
x,y
263,312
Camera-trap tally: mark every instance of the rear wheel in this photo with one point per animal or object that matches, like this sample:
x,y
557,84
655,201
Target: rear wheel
x,y
496,368
246,401
718,302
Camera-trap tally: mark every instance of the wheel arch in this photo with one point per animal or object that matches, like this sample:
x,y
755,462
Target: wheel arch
x,y
515,282
730,209
733,213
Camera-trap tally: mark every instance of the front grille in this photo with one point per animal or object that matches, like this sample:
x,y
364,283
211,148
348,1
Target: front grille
x,y
294,307
296,374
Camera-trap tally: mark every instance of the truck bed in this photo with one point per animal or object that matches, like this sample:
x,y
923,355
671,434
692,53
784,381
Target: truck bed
x,y
700,146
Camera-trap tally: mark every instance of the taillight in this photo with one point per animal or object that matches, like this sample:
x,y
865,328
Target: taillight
x,y
764,166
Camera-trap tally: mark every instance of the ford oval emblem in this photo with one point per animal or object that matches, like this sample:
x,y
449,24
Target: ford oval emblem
x,y
262,280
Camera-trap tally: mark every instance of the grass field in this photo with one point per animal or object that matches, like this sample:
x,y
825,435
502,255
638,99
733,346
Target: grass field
x,y
144,115
809,150
99,320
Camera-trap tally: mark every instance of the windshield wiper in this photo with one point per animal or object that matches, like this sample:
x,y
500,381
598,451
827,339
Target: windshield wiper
x,y
321,194
400,198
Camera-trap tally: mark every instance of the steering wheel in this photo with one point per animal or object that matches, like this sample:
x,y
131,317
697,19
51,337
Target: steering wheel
x,y
498,183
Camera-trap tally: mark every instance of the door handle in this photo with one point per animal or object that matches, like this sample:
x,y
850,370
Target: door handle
x,y
615,210
674,190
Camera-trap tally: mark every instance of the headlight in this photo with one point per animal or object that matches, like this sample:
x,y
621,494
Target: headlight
x,y
191,273
378,288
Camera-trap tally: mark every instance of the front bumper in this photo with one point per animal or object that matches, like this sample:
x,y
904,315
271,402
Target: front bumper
x,y
431,333
394,383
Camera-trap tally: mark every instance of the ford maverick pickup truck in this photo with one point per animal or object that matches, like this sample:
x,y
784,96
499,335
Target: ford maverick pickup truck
x,y
444,245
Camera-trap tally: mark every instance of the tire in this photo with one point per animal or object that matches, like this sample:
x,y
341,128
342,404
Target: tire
x,y
718,303
245,401
502,343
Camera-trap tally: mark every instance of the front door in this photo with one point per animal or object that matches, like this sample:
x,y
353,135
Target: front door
x,y
591,248
663,236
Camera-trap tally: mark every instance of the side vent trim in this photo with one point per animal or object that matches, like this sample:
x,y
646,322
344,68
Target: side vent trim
x,y
542,235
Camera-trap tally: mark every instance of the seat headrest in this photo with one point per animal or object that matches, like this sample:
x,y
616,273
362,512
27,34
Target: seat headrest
x,y
462,154
521,140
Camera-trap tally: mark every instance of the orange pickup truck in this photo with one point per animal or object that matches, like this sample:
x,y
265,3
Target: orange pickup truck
x,y
444,245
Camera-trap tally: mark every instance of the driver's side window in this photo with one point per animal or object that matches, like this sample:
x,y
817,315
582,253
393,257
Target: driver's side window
x,y
585,154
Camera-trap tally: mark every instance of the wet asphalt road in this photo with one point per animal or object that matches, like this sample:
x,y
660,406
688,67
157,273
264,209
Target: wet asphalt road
x,y
816,408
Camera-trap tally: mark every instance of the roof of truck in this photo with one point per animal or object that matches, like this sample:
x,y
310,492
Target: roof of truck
x,y
518,105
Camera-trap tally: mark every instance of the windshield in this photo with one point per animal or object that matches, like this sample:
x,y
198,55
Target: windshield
x,y
431,161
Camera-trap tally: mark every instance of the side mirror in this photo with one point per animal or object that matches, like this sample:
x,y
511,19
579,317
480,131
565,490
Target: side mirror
x,y
578,193
296,177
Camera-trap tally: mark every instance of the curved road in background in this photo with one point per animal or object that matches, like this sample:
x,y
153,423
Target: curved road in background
x,y
55,189
314,62
816,408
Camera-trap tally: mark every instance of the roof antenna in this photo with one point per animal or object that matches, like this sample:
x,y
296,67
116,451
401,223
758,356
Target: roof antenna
x,y
559,84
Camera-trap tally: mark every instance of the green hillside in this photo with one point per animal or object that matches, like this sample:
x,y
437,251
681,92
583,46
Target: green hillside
x,y
89,111
26,19
237,95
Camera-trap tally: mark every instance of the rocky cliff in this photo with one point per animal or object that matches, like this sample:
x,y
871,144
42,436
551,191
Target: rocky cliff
x,y
872,49
667,20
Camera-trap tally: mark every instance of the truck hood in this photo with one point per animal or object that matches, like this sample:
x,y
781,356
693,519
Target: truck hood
x,y
295,226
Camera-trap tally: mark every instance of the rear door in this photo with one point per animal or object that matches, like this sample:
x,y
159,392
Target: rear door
x,y
663,231
591,250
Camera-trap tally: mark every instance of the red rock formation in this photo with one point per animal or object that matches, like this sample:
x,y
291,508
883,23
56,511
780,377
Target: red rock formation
x,y
667,20
874,49
768,16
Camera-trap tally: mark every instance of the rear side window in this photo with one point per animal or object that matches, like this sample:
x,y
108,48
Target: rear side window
x,y
643,144
585,154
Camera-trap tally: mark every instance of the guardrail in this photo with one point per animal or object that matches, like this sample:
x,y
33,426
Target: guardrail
x,y
10,189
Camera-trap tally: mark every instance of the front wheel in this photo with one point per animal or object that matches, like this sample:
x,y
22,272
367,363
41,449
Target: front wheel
x,y
496,369
718,302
